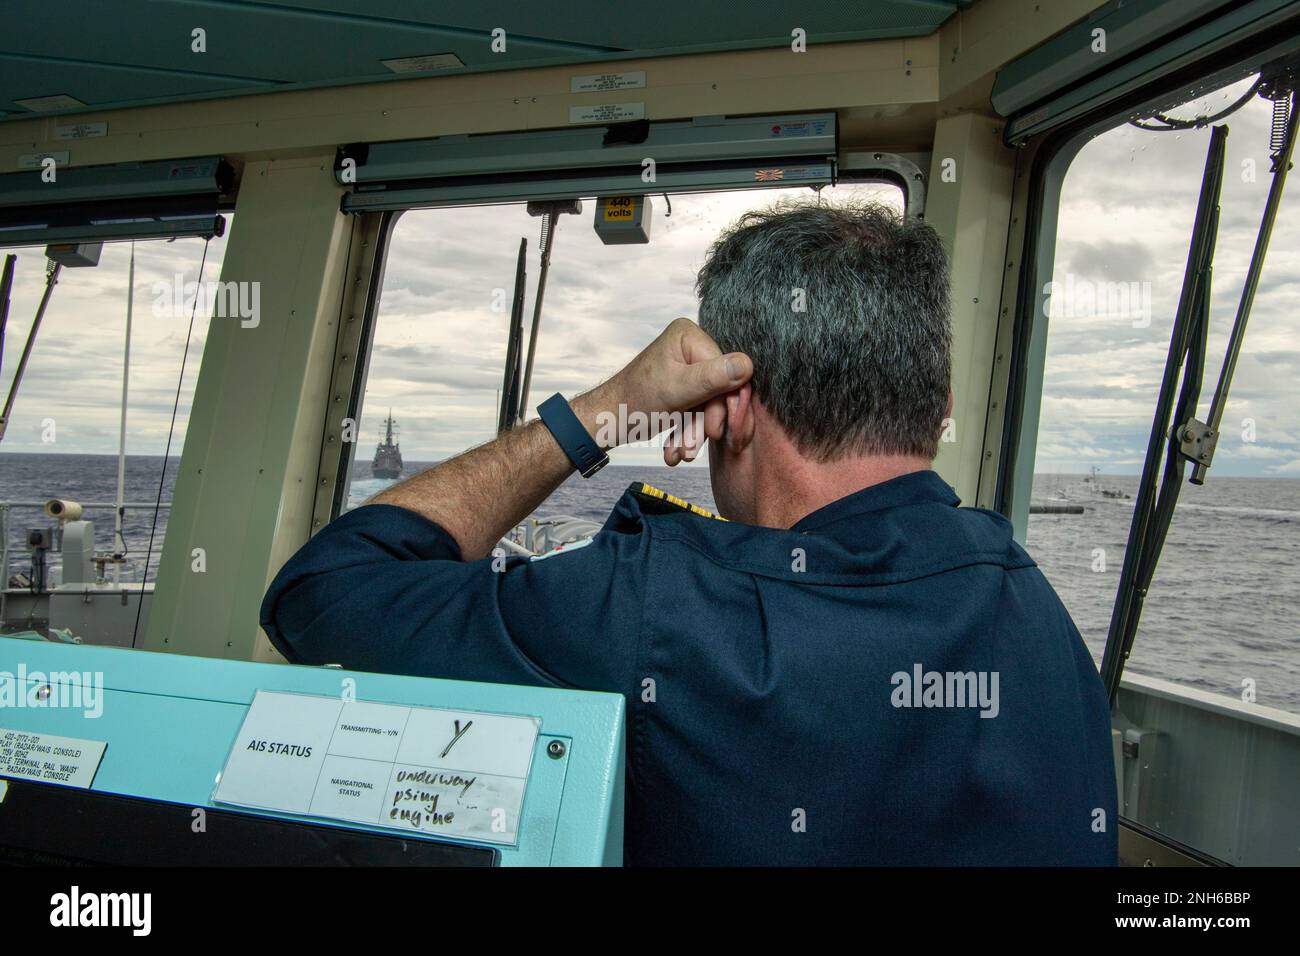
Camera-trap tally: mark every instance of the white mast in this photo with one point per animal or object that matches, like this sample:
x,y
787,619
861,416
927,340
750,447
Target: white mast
x,y
119,543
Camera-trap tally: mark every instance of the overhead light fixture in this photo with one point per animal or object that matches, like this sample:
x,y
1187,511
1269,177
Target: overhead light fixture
x,y
424,64
51,104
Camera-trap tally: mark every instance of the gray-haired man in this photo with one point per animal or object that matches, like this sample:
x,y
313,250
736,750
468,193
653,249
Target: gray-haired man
x,y
848,670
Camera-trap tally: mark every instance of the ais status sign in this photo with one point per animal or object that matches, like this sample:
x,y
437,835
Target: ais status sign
x,y
448,773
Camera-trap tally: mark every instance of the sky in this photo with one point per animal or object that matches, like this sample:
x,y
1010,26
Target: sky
x,y
439,351
1127,206
1126,212
74,375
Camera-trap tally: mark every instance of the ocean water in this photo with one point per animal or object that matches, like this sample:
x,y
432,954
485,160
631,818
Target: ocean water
x,y
1225,601
88,478
1223,608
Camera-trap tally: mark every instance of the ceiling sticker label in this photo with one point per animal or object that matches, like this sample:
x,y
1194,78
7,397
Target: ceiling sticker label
x,y
81,131
48,758
36,160
607,82
607,113
799,173
818,127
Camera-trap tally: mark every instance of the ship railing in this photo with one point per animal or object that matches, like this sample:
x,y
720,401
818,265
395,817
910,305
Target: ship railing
x,y
8,507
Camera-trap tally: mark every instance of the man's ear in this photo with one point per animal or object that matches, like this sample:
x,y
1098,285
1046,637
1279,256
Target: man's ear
x,y
948,413
740,418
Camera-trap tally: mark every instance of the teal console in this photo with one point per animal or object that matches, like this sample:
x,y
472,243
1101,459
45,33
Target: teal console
x,y
182,759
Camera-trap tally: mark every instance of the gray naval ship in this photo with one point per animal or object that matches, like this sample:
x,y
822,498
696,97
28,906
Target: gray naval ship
x,y
388,454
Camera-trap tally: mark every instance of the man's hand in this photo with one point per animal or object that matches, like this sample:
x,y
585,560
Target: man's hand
x,y
480,495
683,370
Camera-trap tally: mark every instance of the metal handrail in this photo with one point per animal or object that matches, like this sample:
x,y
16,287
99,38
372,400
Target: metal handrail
x,y
84,504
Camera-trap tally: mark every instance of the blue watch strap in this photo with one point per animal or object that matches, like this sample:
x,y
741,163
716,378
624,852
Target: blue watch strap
x,y
558,417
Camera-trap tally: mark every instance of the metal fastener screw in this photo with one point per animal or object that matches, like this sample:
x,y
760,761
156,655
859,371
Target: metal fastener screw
x,y
555,750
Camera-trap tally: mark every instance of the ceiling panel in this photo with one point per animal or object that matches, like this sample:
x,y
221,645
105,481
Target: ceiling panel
x,y
114,53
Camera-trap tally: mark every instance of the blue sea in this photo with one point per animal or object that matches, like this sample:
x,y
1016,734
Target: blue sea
x,y
1223,608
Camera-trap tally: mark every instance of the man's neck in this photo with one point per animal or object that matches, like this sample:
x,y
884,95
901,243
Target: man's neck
x,y
791,487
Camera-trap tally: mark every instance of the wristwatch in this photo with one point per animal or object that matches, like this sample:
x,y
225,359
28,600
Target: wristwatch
x,y
572,435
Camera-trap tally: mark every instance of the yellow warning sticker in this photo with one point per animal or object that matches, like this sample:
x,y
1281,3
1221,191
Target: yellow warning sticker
x,y
620,208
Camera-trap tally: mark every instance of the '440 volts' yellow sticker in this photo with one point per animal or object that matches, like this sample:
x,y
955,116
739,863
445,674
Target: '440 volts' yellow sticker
x,y
620,208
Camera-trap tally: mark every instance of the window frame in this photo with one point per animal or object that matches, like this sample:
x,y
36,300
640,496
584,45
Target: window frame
x,y
856,166
1048,158
1051,155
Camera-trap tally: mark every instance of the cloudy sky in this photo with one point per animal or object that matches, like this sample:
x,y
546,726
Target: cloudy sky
x,y
1128,203
1126,215
440,347
74,376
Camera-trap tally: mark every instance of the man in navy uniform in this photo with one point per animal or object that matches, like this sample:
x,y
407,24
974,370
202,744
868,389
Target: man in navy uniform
x,y
849,669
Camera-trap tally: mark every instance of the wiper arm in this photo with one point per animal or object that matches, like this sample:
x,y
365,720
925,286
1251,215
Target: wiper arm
x,y
1154,508
52,269
514,345
1191,439
1198,439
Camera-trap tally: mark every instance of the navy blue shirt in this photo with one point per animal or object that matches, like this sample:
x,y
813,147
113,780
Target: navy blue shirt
x,y
891,681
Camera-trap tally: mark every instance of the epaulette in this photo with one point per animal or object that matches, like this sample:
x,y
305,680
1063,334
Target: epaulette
x,y
656,501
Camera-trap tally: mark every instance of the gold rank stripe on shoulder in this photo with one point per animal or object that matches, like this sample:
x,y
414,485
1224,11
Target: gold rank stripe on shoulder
x,y
650,491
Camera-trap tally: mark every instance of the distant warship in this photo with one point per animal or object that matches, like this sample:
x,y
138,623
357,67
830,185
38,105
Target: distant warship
x,y
388,454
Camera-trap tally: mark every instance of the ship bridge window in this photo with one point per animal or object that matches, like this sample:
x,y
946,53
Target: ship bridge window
x,y
1205,716
440,338
64,432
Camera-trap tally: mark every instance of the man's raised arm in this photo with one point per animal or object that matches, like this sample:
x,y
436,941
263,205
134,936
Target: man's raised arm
x,y
478,496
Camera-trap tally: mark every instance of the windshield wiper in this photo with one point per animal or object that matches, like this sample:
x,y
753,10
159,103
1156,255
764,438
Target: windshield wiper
x,y
514,344
1154,507
1198,439
1190,439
